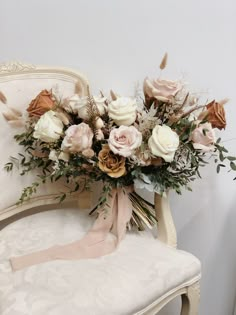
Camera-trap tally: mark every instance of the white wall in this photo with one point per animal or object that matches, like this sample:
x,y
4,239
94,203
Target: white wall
x,y
116,43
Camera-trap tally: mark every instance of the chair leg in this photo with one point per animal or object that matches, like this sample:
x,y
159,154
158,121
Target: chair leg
x,y
190,300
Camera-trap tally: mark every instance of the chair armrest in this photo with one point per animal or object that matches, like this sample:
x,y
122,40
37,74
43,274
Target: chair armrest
x,y
166,227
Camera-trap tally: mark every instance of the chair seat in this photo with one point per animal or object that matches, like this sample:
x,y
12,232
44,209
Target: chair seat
x,y
139,272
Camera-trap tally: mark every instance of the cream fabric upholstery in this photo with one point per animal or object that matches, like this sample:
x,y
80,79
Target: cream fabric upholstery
x,y
139,272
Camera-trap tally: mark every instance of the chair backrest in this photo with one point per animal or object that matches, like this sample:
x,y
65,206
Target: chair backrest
x,y
20,83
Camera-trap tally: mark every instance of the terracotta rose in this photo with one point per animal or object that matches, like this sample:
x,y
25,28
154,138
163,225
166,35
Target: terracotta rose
x,y
110,163
216,115
41,104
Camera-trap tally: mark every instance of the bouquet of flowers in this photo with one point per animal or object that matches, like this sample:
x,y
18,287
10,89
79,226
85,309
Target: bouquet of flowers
x,y
157,140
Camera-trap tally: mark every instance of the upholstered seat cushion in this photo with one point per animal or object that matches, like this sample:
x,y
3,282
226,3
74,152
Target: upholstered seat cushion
x,y
141,270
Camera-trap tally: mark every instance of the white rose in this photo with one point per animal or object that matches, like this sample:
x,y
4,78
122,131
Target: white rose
x,y
75,103
163,142
123,111
48,128
78,105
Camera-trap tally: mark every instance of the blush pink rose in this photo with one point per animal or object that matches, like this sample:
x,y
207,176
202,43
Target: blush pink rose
x,y
77,139
124,140
203,137
162,90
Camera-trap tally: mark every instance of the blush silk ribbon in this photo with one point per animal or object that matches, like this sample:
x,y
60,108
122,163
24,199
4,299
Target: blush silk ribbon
x,y
97,242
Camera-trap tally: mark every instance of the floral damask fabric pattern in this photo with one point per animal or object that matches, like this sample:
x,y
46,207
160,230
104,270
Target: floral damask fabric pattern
x,y
92,286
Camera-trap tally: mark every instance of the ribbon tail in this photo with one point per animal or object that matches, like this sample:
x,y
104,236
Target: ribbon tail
x,y
94,244
97,242
124,213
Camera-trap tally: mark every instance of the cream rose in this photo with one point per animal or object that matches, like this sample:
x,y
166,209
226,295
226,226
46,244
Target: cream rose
x,y
123,111
73,103
124,140
78,105
77,138
163,142
203,137
162,90
48,128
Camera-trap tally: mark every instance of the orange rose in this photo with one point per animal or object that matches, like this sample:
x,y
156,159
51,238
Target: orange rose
x,y
110,163
216,115
41,104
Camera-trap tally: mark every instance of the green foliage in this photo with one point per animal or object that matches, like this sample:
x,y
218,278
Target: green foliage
x,y
223,157
28,192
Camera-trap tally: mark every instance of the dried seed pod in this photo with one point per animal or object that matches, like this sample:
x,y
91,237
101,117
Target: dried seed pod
x,y
15,111
99,124
163,62
203,115
9,115
224,101
3,98
19,123
113,95
79,89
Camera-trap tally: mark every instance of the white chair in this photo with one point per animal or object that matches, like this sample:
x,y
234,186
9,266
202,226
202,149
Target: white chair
x,y
140,277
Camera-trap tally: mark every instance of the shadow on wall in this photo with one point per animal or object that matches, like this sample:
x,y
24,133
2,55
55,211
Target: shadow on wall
x,y
213,242
223,274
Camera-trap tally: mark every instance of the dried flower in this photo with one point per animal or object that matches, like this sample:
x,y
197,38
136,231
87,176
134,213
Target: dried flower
x,y
79,105
41,104
111,164
80,89
163,62
88,153
3,98
99,124
113,95
216,115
